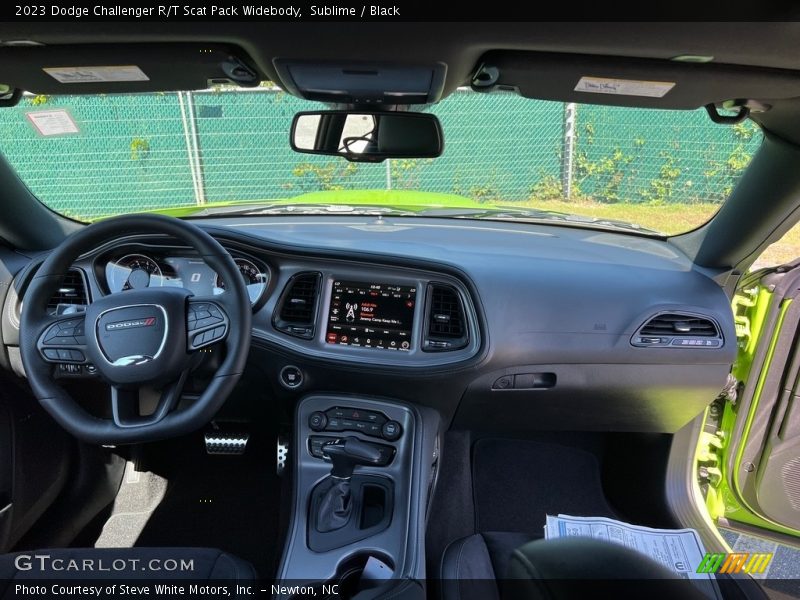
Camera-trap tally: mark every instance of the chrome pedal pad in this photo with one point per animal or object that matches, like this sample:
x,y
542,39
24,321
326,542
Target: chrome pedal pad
x,y
282,454
233,444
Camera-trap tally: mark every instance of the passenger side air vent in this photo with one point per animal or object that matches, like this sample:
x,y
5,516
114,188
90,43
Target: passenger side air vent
x,y
446,326
297,308
677,329
70,295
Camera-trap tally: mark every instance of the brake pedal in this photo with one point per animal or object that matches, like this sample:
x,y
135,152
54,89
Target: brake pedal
x,y
218,442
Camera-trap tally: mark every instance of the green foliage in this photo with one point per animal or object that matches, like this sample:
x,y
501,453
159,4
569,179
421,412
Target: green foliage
x,y
547,188
607,173
140,148
328,176
486,191
405,173
662,188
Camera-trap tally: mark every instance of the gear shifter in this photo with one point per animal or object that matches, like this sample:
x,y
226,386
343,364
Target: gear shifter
x,y
345,454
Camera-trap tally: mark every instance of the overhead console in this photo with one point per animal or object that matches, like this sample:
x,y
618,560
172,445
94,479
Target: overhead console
x,y
378,315
362,82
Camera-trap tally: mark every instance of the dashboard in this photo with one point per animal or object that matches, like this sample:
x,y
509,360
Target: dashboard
x,y
341,310
497,325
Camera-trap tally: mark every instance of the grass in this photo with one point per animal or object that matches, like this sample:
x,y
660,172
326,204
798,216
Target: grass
x,y
666,218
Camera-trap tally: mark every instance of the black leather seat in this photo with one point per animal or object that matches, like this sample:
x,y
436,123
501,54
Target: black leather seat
x,y
153,564
495,565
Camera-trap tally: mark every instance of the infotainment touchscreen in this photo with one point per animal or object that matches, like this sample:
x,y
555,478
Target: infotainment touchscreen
x,y
371,315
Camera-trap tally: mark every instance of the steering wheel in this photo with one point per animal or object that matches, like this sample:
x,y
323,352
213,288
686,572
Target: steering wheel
x,y
137,340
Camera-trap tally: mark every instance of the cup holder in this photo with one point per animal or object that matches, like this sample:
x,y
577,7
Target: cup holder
x,y
355,574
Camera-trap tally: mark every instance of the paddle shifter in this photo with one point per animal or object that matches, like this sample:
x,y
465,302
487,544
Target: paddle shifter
x,y
345,454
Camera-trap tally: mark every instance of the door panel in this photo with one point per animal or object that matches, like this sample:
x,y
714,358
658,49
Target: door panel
x,y
763,456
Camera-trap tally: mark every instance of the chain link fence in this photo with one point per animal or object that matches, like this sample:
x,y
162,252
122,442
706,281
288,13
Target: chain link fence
x,y
146,151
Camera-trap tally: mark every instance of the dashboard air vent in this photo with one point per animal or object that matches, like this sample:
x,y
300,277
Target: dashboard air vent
x,y
297,308
676,329
71,292
446,323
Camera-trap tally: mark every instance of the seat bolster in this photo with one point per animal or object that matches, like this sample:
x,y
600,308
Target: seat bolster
x,y
466,571
571,567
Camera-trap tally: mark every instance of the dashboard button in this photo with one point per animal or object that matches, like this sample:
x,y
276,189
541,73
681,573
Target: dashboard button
x,y
374,417
291,377
317,421
504,383
392,430
374,429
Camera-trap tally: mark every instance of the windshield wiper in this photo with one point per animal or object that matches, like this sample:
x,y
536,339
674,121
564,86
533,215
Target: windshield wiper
x,y
303,209
534,215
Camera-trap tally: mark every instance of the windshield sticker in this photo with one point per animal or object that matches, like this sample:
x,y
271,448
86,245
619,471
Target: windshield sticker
x,y
624,87
52,122
96,74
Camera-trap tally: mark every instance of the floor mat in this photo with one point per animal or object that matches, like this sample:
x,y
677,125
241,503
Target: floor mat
x,y
138,496
783,572
518,482
226,502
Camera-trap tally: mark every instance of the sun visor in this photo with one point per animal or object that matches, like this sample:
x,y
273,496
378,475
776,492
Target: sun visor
x,y
95,69
363,83
622,81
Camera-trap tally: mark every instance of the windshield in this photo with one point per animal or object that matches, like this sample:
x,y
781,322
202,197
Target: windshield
x,y
506,157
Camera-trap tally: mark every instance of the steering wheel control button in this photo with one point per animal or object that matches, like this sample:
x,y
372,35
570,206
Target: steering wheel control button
x,y
392,431
317,421
208,320
291,377
51,353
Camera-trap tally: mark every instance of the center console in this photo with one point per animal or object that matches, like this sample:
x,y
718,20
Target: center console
x,y
364,473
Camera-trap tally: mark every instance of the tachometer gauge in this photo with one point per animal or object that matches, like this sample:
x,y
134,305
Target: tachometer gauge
x,y
254,278
132,272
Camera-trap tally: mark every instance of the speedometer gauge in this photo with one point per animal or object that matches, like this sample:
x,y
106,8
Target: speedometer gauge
x,y
133,271
254,278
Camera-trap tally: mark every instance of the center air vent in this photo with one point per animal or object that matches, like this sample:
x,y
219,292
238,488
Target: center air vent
x,y
679,329
71,293
445,320
297,307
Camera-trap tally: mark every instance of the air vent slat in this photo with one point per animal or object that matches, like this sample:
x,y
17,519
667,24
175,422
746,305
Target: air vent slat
x,y
679,330
681,325
446,320
298,307
70,292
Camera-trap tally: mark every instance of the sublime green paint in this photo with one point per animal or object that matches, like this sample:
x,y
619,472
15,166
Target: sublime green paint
x,y
734,507
409,200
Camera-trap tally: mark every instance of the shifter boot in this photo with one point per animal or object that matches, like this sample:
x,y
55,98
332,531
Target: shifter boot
x,y
335,507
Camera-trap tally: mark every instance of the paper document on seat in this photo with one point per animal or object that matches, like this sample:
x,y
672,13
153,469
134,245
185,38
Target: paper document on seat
x,y
679,550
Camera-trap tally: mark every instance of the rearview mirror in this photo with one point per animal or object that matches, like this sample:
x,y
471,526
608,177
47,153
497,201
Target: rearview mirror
x,y
367,136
